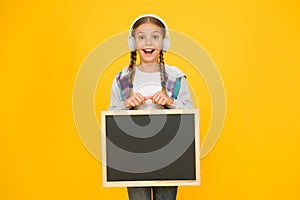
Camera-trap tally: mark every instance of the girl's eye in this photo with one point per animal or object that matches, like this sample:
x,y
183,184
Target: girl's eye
x,y
155,37
141,37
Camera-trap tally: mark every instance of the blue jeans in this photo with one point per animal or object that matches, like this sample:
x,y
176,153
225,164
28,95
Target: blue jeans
x,y
159,193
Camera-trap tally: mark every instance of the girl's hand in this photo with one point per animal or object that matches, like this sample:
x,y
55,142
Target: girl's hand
x,y
162,99
134,100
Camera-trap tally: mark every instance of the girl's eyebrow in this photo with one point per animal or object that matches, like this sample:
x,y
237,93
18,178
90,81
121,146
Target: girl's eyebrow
x,y
156,32
140,32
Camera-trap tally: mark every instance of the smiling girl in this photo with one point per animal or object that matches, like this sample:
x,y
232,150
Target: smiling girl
x,y
150,84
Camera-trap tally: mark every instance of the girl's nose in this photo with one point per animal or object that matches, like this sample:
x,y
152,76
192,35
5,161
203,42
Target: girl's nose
x,y
148,41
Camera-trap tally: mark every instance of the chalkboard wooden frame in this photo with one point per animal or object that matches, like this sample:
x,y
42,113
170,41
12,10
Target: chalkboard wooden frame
x,y
135,182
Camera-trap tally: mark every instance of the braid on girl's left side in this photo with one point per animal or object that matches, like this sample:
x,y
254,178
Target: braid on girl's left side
x,y
162,71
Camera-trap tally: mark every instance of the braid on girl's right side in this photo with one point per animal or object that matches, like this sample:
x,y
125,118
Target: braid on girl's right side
x,y
131,69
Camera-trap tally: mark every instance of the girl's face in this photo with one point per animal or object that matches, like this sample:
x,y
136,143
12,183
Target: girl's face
x,y
148,39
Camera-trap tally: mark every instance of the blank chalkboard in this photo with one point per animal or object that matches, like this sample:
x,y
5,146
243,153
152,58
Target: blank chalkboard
x,y
150,148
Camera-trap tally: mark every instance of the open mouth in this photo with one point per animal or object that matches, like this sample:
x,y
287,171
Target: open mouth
x,y
148,51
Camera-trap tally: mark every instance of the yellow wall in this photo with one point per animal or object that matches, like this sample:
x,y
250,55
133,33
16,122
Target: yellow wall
x,y
255,45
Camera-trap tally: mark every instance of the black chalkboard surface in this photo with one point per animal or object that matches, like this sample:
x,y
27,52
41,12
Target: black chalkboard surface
x,y
150,148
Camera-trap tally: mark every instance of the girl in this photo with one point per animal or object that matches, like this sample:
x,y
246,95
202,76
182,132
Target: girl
x,y
151,84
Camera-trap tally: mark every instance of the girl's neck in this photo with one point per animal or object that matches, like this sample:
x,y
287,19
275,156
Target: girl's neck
x,y
151,67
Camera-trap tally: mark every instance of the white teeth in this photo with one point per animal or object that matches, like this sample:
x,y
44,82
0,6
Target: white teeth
x,y
149,51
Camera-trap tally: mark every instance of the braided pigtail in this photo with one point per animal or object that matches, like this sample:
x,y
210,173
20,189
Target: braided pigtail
x,y
131,69
162,71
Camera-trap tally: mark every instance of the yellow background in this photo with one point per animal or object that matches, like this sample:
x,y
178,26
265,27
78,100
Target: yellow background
x,y
255,45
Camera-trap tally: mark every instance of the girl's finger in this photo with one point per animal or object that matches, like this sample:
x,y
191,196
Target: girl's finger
x,y
148,97
161,100
139,98
157,99
165,101
131,103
